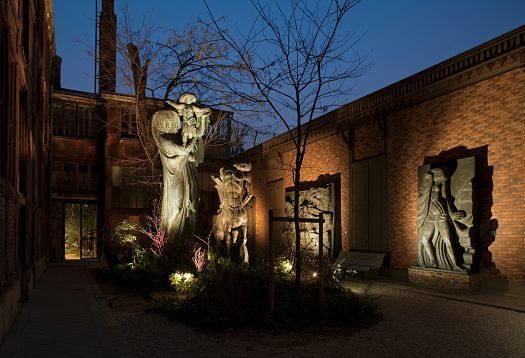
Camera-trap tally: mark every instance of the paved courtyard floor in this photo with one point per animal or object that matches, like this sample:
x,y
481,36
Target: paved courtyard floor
x,y
62,317
73,314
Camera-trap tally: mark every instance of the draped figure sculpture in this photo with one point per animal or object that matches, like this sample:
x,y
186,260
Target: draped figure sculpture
x,y
234,186
436,217
178,133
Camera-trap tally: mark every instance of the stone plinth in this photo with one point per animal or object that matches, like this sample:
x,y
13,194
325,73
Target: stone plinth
x,y
443,280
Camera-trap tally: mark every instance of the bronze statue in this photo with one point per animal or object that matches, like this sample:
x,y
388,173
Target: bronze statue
x,y
437,245
234,186
178,132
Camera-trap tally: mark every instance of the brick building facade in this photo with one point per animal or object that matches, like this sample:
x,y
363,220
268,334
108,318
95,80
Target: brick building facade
x,y
62,149
26,56
96,171
470,105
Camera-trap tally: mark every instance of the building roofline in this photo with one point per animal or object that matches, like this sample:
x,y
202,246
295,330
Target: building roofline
x,y
454,67
101,96
477,64
115,97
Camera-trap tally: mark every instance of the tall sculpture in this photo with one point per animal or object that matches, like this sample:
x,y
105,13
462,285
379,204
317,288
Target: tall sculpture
x,y
178,133
234,186
444,218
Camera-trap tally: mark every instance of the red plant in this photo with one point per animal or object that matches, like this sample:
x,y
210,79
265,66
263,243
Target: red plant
x,y
199,258
155,232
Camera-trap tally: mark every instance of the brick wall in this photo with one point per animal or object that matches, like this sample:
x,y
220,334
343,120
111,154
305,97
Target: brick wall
x,y
27,44
368,140
3,235
486,119
490,113
326,154
11,244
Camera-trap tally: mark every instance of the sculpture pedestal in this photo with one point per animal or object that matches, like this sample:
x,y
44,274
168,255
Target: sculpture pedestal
x,y
423,277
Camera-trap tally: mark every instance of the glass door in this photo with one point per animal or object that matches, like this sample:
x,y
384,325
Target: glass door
x,y
80,231
88,242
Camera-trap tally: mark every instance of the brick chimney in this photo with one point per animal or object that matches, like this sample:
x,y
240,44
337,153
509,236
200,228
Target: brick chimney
x,y
107,50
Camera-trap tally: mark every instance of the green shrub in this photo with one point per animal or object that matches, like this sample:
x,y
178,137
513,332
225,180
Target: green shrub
x,y
184,283
232,297
284,267
124,246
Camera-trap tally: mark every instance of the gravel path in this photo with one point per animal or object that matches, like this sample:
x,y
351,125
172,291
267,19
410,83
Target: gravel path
x,y
414,325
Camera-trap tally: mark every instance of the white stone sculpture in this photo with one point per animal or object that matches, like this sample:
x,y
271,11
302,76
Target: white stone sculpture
x,y
234,186
178,132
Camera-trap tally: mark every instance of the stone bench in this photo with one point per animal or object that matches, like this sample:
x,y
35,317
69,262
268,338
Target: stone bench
x,y
361,261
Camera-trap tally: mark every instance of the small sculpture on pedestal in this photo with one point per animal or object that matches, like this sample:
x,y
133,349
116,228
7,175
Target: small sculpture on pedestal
x,y
234,187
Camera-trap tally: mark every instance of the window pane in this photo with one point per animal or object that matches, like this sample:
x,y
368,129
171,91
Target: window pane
x,y
89,220
69,177
127,191
89,231
82,177
116,175
58,120
85,118
57,177
93,177
72,230
128,124
70,120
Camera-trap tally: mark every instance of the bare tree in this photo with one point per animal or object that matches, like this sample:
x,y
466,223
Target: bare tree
x,y
154,66
297,61
137,63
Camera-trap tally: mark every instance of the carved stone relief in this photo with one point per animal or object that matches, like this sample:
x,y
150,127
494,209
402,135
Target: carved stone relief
x,y
445,215
311,203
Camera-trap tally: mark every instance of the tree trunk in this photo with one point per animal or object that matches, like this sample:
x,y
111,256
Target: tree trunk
x,y
297,181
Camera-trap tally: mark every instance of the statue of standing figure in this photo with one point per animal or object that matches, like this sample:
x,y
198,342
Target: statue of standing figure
x,y
178,133
436,217
234,186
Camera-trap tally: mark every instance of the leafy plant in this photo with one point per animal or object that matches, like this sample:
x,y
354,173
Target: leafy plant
x,y
284,267
184,283
123,248
228,297
338,271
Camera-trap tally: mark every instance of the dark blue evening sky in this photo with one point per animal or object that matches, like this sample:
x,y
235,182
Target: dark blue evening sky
x,y
401,37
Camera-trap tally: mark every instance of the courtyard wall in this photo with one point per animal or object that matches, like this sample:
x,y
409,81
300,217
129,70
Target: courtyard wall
x,y
470,105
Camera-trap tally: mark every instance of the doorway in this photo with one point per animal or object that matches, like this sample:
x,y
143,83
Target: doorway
x,y
80,231
369,205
